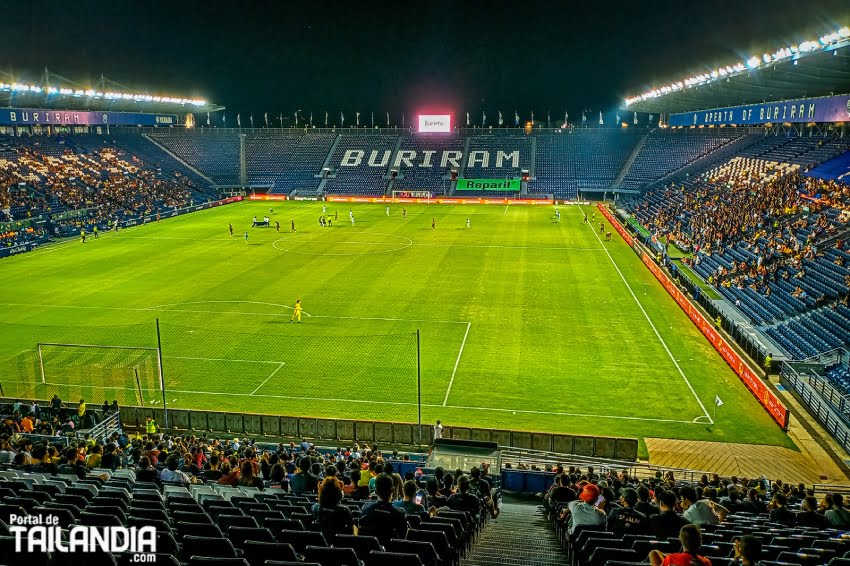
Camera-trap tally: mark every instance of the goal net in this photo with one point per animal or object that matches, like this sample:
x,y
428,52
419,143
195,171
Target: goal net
x,y
128,374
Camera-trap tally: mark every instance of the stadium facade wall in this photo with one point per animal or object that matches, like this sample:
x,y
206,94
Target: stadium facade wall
x,y
771,403
826,109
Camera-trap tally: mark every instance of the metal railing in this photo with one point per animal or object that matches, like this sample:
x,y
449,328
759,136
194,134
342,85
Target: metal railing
x,y
110,424
544,460
817,406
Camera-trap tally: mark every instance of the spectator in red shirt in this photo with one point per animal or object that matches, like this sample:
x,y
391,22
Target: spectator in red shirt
x,y
691,539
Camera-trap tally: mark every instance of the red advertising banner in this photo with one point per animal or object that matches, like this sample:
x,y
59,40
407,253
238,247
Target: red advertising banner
x,y
617,226
772,404
757,387
438,200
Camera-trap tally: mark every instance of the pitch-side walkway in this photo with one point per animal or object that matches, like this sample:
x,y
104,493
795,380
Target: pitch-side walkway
x,y
745,460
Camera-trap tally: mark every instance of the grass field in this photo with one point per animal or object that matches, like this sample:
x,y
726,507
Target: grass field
x,y
524,323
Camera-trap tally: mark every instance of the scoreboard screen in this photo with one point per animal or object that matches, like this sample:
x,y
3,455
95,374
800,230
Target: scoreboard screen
x,y
435,123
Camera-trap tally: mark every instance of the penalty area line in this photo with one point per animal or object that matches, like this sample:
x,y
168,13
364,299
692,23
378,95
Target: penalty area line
x,y
277,369
457,361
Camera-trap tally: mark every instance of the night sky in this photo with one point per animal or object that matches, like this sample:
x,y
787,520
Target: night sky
x,y
256,56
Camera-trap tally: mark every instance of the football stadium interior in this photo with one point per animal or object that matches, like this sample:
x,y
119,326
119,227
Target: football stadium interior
x,y
611,326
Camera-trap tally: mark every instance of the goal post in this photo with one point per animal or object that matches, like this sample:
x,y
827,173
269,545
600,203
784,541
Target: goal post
x,y
92,371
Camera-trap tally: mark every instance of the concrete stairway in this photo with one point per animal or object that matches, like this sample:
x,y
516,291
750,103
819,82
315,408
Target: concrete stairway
x,y
519,537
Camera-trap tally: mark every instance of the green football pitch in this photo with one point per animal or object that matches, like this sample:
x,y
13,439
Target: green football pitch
x,y
523,323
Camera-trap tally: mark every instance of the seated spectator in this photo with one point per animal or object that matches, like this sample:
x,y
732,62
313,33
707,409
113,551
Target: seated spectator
x,y
748,551
463,500
304,481
809,516
382,519
7,454
110,459
332,517
213,472
278,478
353,487
73,466
644,505
229,476
667,523
837,516
247,478
700,511
171,474
779,513
691,539
94,457
626,520
753,503
41,462
584,511
434,497
480,488
409,501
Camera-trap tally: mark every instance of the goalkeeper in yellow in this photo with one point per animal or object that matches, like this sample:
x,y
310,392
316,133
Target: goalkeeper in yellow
x,y
296,312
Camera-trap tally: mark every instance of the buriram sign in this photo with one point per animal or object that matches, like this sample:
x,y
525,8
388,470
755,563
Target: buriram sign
x,y
827,109
36,117
754,383
428,158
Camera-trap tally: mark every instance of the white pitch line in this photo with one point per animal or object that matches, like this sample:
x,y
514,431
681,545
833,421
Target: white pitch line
x,y
393,403
457,361
220,360
269,377
654,329
506,209
558,248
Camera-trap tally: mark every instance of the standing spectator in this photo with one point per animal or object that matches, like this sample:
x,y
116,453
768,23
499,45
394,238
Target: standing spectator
x,y
438,430
381,518
691,539
81,413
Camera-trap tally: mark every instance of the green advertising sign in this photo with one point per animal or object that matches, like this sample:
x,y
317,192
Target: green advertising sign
x,y
489,185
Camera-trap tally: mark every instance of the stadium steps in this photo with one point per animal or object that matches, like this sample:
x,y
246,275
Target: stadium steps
x,y
520,536
194,170
629,162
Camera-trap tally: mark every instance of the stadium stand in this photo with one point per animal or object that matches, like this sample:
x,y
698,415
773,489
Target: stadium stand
x,y
304,164
434,178
216,155
209,499
372,155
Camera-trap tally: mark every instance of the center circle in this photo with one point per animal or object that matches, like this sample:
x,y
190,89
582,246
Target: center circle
x,y
371,242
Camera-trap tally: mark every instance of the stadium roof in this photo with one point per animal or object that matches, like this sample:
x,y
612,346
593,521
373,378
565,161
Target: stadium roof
x,y
812,68
53,91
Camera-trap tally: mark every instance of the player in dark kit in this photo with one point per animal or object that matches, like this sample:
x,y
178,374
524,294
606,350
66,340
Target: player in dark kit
x,y
292,225
230,226
277,225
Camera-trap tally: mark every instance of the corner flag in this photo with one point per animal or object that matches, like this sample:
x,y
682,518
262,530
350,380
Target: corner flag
x,y
718,401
